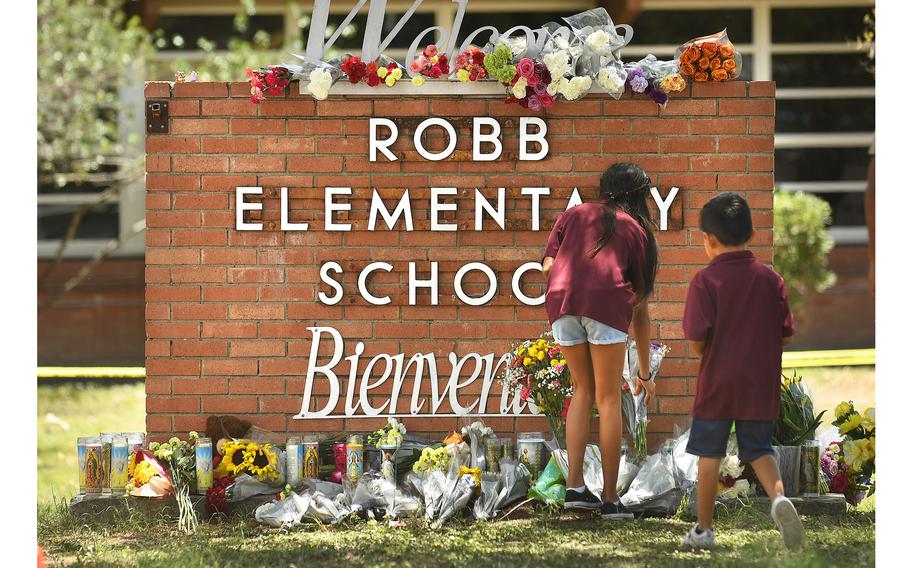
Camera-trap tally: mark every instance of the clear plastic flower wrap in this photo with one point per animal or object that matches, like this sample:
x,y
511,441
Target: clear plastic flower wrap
x,y
592,470
498,491
634,408
325,504
319,76
445,495
600,38
478,434
709,58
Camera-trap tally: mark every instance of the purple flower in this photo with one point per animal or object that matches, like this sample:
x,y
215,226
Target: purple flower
x,y
534,102
540,89
637,80
658,96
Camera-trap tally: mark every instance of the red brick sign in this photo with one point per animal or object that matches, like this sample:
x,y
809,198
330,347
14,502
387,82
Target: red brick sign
x,y
231,314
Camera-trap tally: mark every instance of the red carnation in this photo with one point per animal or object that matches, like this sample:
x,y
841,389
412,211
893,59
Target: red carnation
x,y
373,79
839,483
435,72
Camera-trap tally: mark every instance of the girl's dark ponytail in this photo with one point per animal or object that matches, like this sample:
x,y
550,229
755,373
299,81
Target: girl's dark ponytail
x,y
625,186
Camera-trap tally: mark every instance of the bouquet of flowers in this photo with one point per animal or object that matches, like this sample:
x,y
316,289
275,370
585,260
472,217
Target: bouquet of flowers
x,y
634,408
498,64
444,458
796,421
246,456
180,458
431,63
469,65
478,434
709,58
218,496
269,80
146,476
599,34
655,78
383,70
733,482
530,85
849,466
539,369
392,434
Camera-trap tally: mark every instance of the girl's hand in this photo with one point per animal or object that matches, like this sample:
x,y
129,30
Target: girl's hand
x,y
648,386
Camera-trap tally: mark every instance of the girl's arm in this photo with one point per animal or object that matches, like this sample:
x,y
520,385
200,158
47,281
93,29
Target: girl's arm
x,y
641,333
547,265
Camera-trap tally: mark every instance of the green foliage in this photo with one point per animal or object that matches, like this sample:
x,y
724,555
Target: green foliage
x,y
802,244
797,420
86,50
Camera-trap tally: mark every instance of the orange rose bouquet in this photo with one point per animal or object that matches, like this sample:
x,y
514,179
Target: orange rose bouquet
x,y
709,58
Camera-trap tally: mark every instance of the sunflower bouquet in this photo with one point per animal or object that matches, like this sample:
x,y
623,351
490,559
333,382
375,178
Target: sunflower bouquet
x,y
538,369
246,456
709,58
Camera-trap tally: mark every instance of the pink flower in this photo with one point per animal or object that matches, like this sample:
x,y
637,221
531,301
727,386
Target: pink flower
x,y
435,72
839,483
546,101
560,367
525,392
416,66
526,68
553,352
533,80
431,50
534,102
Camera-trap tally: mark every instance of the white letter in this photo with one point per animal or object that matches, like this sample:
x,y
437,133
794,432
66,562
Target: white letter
x,y
382,145
491,291
365,384
316,45
436,207
418,143
313,368
516,284
331,207
362,283
244,206
285,224
432,284
404,208
574,200
492,138
454,384
525,137
535,193
324,276
664,204
481,205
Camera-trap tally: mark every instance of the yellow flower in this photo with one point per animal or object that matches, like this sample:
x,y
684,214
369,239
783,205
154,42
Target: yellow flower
x,y
397,73
540,355
389,81
869,419
532,352
541,343
463,75
418,80
526,361
852,423
382,72
858,452
473,472
554,362
843,409
521,351
143,472
435,59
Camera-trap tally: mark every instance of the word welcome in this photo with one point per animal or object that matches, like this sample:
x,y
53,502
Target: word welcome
x,y
465,371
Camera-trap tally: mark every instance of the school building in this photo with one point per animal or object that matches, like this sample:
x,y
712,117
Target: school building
x,y
825,120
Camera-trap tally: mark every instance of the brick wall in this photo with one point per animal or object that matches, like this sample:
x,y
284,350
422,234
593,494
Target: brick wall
x,y
227,311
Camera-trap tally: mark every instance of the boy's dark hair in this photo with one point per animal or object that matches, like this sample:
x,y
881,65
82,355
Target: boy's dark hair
x,y
727,217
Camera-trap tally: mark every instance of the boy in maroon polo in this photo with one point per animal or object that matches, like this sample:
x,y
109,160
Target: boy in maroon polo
x,y
738,319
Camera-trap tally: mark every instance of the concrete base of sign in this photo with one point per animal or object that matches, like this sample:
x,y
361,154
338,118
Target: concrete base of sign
x,y
830,505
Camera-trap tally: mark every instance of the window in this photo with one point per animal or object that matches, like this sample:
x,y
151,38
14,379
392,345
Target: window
x,y
660,27
218,29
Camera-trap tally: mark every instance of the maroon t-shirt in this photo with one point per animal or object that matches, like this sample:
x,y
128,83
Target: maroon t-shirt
x,y
739,307
601,287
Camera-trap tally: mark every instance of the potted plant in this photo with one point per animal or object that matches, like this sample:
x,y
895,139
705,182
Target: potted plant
x,y
795,424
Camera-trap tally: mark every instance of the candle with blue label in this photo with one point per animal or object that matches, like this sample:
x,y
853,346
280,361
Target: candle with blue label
x,y
80,458
355,458
120,457
204,479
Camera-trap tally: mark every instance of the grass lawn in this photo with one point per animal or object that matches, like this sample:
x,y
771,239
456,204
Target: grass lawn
x,y
745,538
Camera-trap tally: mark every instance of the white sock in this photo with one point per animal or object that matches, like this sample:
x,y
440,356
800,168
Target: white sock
x,y
580,489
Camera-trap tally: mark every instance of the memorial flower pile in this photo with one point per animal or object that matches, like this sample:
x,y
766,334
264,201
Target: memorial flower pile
x,y
796,421
392,434
849,465
733,483
270,80
565,65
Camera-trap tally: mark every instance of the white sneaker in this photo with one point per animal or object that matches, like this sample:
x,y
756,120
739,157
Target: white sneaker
x,y
788,522
696,541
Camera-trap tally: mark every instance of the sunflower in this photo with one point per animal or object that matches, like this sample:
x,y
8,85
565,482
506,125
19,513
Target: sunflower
x,y
260,460
233,462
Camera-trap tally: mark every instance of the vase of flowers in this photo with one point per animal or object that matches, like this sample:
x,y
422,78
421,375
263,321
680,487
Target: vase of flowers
x,y
538,370
796,423
848,466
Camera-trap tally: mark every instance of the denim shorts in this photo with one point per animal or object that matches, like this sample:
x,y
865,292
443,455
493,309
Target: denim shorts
x,y
575,330
709,438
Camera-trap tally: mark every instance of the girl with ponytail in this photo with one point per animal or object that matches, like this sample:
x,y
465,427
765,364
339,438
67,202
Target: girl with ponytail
x,y
600,264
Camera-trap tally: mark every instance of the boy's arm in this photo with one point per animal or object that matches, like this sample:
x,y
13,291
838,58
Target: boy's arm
x,y
547,265
698,316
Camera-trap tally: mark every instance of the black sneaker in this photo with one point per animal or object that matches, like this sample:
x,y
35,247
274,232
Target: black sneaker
x,y
581,500
615,511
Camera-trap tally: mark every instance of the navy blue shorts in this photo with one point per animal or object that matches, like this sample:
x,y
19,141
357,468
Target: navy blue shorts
x,y
753,437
